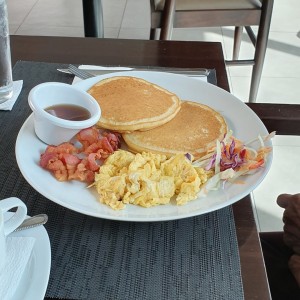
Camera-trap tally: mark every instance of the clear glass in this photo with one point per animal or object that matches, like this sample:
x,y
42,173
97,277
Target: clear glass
x,y
6,83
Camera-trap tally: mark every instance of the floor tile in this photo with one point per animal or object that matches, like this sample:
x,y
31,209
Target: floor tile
x,y
283,177
18,10
50,31
111,33
137,14
286,16
55,13
13,28
284,140
271,90
134,33
283,55
113,12
279,90
240,87
213,34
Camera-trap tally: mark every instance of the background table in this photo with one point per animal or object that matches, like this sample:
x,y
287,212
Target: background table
x,y
168,54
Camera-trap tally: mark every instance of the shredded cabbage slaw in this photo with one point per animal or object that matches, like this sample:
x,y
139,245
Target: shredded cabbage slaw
x,y
231,158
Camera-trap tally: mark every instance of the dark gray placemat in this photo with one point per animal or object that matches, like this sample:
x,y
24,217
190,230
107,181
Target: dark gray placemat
x,y
193,258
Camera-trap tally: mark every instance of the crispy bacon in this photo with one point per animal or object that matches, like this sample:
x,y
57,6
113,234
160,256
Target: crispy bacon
x,y
88,137
102,147
113,139
64,161
62,148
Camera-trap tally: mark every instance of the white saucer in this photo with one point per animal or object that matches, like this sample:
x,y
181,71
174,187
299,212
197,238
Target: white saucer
x,y
34,282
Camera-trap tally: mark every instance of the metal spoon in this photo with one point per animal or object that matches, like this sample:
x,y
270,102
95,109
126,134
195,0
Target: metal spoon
x,y
33,222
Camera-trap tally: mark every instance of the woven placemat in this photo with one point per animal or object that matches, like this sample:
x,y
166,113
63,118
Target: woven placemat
x,y
92,258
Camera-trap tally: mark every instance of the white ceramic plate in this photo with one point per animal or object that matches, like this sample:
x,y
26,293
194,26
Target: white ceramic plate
x,y
74,195
34,281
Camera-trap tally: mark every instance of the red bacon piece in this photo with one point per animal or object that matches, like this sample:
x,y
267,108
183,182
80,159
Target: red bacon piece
x,y
62,148
63,162
88,136
113,139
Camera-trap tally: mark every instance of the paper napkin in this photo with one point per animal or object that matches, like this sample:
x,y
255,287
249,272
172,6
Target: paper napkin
x,y
91,67
8,105
100,68
112,69
18,254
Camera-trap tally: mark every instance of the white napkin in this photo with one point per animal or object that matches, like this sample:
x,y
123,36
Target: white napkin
x,y
18,253
92,67
95,68
8,105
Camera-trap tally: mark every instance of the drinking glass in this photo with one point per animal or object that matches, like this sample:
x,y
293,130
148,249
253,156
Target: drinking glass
x,y
6,82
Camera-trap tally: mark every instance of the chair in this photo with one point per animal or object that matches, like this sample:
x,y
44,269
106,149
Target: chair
x,y
169,14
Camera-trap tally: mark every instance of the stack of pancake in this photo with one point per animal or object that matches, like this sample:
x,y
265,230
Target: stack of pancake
x,y
153,119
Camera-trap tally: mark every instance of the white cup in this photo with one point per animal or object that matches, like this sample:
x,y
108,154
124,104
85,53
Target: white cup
x,y
53,130
8,226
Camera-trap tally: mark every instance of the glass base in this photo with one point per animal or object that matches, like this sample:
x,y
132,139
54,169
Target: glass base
x,y
5,93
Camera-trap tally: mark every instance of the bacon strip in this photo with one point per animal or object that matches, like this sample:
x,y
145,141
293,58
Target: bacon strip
x,y
64,162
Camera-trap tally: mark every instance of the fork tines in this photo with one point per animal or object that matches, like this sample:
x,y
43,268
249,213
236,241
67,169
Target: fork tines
x,y
79,73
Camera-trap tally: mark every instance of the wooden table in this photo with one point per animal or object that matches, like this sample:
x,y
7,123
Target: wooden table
x,y
172,54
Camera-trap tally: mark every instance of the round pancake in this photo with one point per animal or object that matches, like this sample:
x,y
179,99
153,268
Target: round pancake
x,y
130,103
194,130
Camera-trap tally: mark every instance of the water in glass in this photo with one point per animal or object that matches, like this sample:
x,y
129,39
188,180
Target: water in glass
x,y
6,83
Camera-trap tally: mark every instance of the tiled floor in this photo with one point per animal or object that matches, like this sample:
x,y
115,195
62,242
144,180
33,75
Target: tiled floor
x,y
279,84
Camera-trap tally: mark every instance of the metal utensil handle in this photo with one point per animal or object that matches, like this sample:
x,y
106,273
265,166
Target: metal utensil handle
x,y
30,222
79,73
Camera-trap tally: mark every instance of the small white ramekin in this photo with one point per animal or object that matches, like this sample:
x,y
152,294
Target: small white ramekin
x,y
53,130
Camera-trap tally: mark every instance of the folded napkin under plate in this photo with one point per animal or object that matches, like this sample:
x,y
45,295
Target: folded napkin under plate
x,y
19,250
17,87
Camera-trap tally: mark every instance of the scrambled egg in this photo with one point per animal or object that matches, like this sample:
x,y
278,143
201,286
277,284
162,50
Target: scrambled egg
x,y
147,179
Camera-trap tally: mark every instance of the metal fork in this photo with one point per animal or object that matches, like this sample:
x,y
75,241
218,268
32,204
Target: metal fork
x,y
82,74
79,73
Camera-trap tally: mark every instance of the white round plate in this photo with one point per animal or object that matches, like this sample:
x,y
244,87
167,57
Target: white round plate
x,y
34,281
76,196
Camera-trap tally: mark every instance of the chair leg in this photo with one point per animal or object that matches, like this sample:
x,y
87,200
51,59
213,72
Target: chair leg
x,y
261,47
153,33
238,31
167,20
93,18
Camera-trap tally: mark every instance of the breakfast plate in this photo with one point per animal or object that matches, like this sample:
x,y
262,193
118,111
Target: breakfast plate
x,y
34,281
74,195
